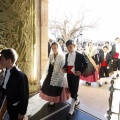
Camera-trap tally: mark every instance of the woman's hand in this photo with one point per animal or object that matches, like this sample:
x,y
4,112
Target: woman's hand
x,y
64,70
111,61
108,67
77,73
98,66
20,117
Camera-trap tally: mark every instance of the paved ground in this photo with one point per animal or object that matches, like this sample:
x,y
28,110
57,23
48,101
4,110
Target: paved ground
x,y
94,100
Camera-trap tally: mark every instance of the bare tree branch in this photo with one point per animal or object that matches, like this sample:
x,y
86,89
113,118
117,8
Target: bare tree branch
x,y
70,28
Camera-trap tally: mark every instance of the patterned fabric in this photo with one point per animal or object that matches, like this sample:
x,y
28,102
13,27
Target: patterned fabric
x,y
91,53
90,69
58,77
1,77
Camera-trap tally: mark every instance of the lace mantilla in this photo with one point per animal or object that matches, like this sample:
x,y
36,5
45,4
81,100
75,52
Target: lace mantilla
x,y
58,77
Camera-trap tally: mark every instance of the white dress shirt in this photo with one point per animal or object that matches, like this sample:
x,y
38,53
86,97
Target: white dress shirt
x,y
6,115
6,78
105,55
71,58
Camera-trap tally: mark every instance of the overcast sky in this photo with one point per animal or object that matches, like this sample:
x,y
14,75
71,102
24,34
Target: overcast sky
x,y
107,11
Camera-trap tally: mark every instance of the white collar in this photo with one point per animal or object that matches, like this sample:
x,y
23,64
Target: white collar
x,y
9,69
105,53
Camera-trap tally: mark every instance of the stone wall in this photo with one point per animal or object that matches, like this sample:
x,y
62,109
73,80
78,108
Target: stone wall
x,y
16,30
24,27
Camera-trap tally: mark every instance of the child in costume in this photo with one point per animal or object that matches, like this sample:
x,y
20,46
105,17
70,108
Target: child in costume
x,y
75,64
54,85
105,63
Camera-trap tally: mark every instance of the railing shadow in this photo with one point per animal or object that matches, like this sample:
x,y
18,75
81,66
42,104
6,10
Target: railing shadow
x,y
110,112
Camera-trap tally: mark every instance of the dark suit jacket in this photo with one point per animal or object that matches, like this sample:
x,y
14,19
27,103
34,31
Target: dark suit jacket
x,y
17,91
113,50
80,62
49,48
108,58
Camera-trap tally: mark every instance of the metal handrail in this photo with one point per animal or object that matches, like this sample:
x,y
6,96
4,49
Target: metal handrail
x,y
109,112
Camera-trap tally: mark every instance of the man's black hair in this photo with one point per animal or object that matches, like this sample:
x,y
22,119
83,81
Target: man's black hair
x,y
10,53
54,43
69,42
105,47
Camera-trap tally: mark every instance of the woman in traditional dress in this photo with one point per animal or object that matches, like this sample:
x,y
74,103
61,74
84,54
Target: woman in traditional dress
x,y
54,88
91,73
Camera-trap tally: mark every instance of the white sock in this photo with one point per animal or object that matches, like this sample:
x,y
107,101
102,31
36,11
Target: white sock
x,y
51,103
101,80
115,73
72,106
107,79
119,72
77,101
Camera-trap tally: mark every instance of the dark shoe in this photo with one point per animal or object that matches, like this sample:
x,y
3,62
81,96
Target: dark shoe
x,y
117,75
69,116
113,78
51,105
100,85
86,83
89,84
106,82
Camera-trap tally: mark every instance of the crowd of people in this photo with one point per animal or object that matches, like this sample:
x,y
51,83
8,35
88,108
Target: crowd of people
x,y
94,53
67,64
90,63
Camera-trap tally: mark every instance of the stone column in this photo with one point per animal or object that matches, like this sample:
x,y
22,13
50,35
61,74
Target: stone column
x,y
41,36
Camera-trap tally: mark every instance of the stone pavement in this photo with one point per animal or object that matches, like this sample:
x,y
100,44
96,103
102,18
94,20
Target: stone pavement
x,y
94,100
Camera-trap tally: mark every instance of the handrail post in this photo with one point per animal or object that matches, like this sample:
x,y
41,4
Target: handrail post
x,y
111,89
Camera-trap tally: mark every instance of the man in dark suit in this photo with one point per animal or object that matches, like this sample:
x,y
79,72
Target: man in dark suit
x,y
116,58
75,64
15,86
